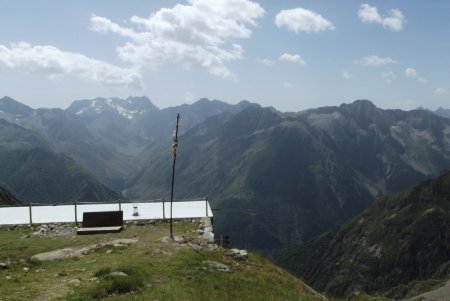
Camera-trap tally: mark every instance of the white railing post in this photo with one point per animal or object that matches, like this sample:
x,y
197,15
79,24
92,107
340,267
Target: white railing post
x,y
76,213
31,214
164,209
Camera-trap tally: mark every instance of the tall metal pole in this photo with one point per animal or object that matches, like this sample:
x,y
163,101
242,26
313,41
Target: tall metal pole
x,y
174,151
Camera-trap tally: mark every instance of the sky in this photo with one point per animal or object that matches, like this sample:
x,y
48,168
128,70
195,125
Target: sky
x,y
291,55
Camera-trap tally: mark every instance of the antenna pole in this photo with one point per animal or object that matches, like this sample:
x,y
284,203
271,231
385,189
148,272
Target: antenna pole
x,y
174,151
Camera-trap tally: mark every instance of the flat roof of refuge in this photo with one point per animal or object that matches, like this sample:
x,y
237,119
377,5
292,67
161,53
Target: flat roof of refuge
x,y
144,210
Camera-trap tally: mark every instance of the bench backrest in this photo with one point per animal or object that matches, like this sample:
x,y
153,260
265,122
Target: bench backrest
x,y
102,219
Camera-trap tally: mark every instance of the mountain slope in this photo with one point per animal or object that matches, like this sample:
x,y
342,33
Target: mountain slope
x,y
277,180
11,106
401,242
6,198
443,112
35,173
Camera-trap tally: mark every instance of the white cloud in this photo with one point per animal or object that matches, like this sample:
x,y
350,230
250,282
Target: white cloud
x,y
389,77
374,60
394,21
287,84
300,19
412,73
441,92
55,64
265,62
369,14
347,75
199,34
292,58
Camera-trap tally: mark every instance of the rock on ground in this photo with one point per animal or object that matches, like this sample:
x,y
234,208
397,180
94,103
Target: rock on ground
x,y
215,265
72,253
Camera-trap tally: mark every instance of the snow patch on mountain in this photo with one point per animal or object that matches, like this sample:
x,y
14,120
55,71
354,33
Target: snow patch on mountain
x,y
101,105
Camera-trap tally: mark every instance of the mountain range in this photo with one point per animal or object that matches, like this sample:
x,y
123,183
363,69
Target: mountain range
x,y
273,178
109,137
276,179
398,247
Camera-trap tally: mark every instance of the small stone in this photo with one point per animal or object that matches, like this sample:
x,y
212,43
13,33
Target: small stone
x,y
3,266
74,282
208,235
180,239
109,252
213,247
25,269
93,279
217,265
239,254
118,274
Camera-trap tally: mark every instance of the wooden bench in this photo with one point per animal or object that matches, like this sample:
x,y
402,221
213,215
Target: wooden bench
x,y
101,222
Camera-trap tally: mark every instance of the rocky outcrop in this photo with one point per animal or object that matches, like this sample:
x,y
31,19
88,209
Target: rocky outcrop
x,y
68,253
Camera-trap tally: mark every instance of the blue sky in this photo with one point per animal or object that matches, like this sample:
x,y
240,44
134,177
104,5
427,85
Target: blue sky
x,y
291,55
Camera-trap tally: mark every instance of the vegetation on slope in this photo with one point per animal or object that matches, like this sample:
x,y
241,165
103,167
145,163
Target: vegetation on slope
x,y
397,247
42,176
35,173
6,198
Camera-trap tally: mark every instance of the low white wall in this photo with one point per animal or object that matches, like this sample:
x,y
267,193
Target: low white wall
x,y
66,213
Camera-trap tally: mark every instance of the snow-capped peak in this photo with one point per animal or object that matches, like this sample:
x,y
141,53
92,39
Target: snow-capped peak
x,y
129,108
